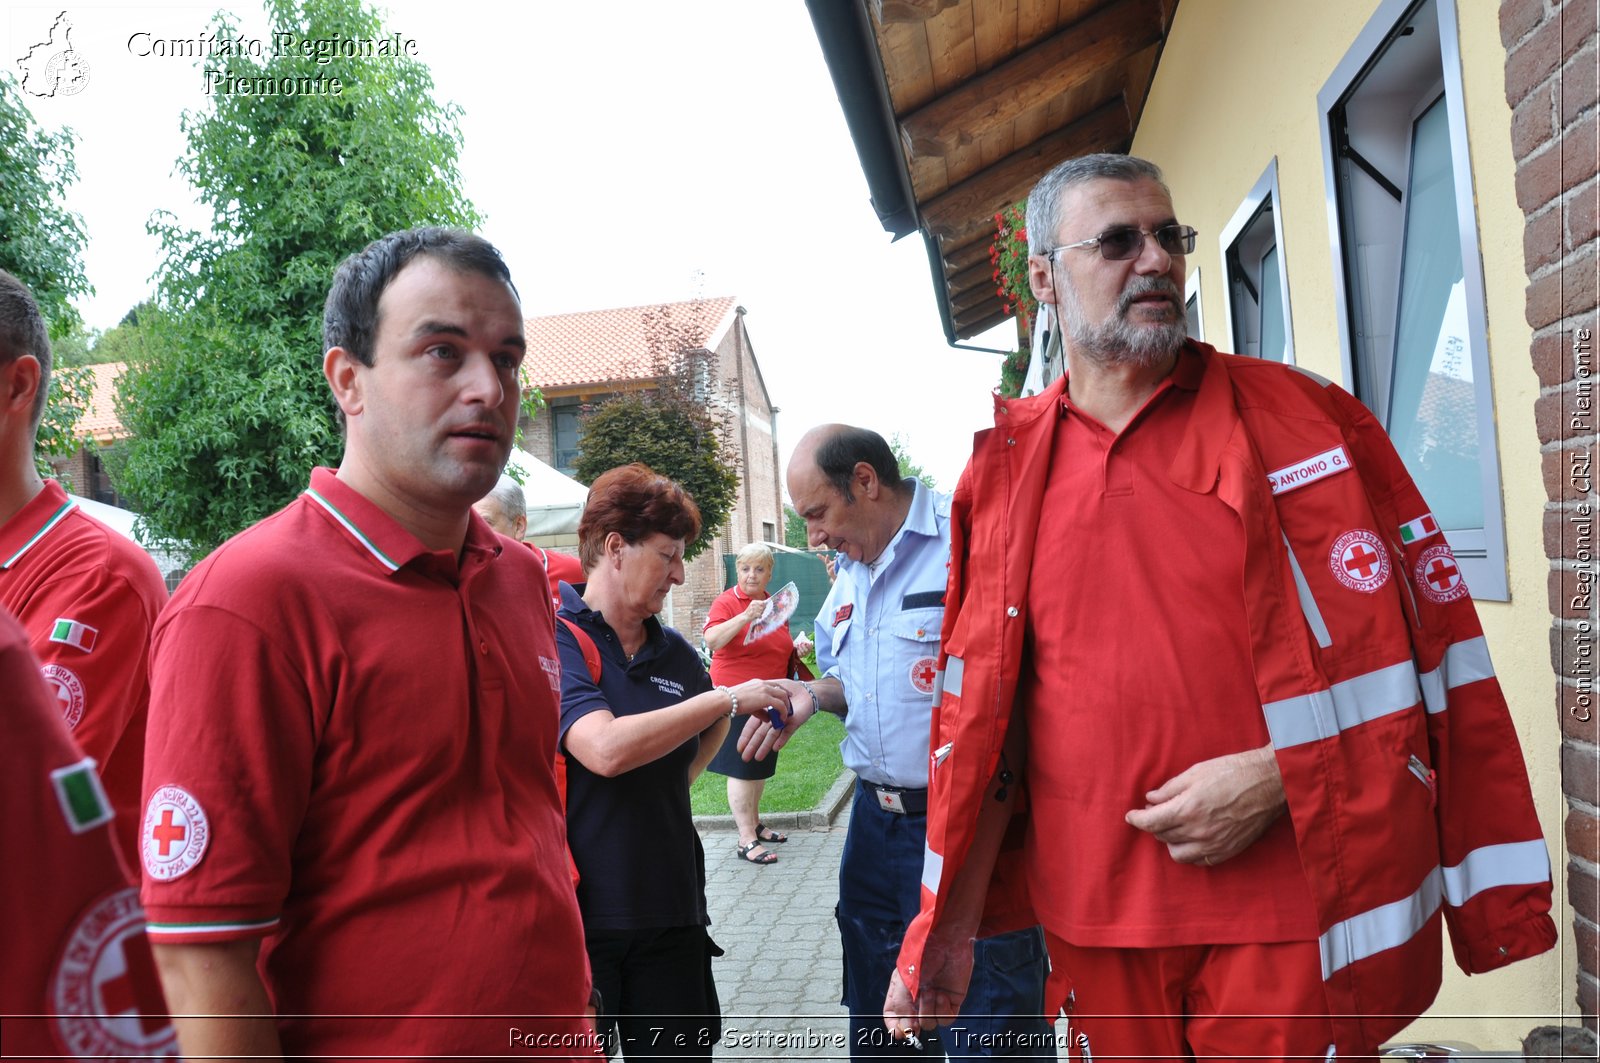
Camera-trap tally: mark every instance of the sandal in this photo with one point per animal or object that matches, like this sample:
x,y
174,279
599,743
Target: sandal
x,y
770,836
764,858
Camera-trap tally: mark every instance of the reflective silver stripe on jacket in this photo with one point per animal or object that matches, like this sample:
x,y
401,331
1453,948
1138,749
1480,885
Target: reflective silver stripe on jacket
x,y
1308,604
1508,864
953,668
1391,925
932,868
1377,929
1323,714
1464,662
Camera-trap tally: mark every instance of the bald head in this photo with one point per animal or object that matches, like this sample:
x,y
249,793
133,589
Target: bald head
x,y
845,484
836,449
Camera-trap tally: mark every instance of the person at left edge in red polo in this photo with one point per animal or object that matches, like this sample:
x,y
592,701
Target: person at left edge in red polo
x,y
77,979
352,841
85,594
505,509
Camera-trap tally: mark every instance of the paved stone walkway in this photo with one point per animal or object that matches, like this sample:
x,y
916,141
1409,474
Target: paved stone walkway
x,y
779,979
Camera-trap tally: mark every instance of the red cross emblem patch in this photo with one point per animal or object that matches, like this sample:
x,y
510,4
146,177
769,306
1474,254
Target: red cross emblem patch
x,y
68,689
1359,560
175,833
922,675
1439,575
107,997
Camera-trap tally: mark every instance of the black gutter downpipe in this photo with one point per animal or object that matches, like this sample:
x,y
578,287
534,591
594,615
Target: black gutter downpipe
x,y
851,53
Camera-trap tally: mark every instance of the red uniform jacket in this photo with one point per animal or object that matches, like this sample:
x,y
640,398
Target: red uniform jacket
x,y
1400,762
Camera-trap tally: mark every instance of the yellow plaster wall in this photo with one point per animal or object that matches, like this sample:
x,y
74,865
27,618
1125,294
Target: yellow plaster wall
x,y
1236,85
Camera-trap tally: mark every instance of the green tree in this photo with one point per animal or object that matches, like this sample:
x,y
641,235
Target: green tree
x,y
227,408
41,244
794,529
902,454
671,426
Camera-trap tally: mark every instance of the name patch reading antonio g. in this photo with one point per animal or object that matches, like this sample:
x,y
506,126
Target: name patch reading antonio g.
x,y
1309,471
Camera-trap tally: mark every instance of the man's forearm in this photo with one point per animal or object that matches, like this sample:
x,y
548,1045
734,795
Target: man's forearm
x,y
829,693
218,1004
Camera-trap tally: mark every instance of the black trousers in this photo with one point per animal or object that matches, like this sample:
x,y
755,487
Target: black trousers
x,y
656,990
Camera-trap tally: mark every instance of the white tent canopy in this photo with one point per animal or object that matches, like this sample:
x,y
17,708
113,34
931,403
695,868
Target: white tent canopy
x,y
555,501
124,522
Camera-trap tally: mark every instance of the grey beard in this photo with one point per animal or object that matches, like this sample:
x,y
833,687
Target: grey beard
x,y
1118,341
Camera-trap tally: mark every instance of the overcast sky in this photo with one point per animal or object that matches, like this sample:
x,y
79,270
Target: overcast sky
x,y
623,154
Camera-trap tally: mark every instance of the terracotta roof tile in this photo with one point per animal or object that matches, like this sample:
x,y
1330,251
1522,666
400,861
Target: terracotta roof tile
x,y
600,346
100,420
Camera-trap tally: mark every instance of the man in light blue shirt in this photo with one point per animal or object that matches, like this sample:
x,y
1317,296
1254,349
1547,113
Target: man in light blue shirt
x,y
877,650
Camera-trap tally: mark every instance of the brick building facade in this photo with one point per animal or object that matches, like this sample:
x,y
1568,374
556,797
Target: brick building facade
x,y
579,360
1550,83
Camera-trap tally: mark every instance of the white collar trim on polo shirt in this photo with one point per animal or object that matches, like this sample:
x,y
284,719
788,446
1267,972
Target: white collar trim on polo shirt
x,y
350,526
55,518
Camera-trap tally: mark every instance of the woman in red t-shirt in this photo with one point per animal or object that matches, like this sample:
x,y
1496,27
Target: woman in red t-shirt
x,y
733,661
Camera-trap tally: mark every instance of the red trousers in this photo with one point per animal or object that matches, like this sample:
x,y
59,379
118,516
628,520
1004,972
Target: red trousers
x,y
1210,1002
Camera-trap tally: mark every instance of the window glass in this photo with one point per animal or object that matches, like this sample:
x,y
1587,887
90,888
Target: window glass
x,y
1408,277
1257,289
1433,406
1273,345
564,420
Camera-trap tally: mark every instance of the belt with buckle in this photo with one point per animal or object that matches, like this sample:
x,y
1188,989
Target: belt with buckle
x,y
898,799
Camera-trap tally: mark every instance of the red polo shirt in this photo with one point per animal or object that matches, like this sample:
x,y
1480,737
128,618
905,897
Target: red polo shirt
x,y
1138,668
78,978
765,658
87,597
350,757
559,568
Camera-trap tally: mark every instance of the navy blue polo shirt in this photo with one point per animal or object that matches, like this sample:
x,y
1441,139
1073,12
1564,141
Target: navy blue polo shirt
x,y
639,858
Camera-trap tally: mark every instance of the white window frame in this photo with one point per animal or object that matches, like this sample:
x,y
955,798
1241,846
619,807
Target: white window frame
x,y
1480,552
1262,195
1191,294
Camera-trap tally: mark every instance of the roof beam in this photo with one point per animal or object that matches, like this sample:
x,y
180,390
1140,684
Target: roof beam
x,y
965,255
961,302
960,212
1044,72
972,276
909,10
975,321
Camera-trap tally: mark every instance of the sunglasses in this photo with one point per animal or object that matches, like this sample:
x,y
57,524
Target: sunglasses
x,y
1127,241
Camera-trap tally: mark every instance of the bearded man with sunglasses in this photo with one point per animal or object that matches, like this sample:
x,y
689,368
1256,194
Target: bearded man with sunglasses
x,y
1214,704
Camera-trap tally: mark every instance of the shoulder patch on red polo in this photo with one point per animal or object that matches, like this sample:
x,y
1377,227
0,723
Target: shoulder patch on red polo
x,y
843,613
106,995
74,633
1439,575
68,689
1359,560
175,833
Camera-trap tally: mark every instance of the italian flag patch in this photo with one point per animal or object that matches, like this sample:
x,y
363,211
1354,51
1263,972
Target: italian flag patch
x,y
72,633
1417,530
82,798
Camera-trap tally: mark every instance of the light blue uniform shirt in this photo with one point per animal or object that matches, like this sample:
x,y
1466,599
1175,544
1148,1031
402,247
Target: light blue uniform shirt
x,y
878,633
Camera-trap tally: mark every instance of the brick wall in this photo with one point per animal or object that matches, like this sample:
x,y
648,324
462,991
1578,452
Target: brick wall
x,y
1551,62
538,436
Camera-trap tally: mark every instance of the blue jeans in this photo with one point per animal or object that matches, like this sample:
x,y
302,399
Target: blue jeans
x,y
880,879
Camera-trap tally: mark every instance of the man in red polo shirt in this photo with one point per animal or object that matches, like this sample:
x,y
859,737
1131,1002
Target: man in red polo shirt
x,y
1260,745
77,978
352,840
85,594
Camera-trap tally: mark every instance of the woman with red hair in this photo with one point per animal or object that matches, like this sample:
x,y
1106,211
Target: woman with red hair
x,y
640,718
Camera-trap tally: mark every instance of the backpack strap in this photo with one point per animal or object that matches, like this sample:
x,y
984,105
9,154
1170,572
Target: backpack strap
x,y
591,652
